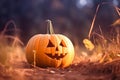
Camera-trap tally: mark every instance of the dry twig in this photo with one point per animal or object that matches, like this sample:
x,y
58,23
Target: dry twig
x,y
15,38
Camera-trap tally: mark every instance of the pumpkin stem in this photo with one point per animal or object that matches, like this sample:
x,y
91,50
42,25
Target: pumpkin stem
x,y
49,27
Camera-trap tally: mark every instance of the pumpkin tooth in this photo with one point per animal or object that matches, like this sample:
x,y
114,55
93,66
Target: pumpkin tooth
x,y
58,54
65,54
53,54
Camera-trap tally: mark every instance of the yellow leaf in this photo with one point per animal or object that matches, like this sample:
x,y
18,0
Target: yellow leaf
x,y
88,44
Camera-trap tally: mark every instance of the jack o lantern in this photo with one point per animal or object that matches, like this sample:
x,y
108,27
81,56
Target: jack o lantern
x,y
50,50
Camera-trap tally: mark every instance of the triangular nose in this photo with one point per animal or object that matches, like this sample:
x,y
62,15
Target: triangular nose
x,y
57,49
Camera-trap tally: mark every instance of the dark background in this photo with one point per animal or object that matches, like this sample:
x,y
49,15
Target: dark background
x,y
69,17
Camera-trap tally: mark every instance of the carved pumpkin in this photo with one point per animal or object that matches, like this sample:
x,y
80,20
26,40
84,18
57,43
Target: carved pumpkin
x,y
50,50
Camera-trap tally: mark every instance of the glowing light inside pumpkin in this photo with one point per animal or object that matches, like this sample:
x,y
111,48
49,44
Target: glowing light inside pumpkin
x,y
56,55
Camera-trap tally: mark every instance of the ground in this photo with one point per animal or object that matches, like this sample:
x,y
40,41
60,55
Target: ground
x,y
19,69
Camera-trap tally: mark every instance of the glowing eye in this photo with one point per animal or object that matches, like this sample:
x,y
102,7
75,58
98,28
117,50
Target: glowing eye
x,y
50,44
63,44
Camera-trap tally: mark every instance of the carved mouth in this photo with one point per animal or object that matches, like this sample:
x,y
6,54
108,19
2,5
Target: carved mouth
x,y
58,57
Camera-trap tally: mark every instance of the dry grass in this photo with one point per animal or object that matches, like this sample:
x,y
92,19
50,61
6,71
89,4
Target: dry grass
x,y
106,46
11,53
8,43
92,25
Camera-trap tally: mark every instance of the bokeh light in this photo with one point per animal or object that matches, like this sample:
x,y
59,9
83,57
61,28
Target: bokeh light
x,y
115,2
83,3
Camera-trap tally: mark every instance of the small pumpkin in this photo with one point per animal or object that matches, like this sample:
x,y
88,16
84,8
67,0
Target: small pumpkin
x,y
50,50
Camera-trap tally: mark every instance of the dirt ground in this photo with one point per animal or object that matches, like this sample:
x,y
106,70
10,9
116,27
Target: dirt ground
x,y
18,69
81,71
